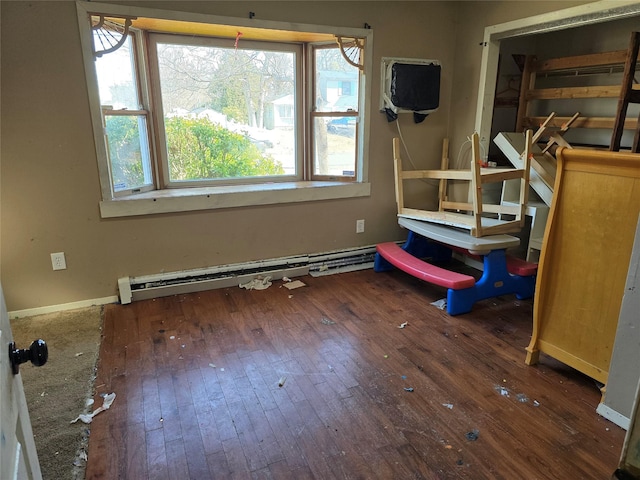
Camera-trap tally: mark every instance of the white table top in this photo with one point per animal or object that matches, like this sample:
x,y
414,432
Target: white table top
x,y
458,238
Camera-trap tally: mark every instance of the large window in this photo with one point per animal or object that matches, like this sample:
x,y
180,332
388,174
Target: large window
x,y
182,111
216,101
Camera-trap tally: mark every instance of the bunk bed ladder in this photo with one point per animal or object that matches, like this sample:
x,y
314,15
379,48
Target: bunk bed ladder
x,y
627,95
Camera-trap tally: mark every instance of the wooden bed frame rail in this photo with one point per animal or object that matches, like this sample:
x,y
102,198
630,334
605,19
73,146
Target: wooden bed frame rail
x,y
604,62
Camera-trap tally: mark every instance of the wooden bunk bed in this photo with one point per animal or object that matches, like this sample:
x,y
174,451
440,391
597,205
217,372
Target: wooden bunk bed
x,y
619,61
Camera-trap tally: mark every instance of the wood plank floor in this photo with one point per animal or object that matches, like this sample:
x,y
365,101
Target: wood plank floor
x,y
198,396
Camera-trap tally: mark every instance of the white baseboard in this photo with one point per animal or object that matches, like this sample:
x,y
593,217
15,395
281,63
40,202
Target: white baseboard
x,y
29,312
180,282
223,276
610,414
192,287
343,269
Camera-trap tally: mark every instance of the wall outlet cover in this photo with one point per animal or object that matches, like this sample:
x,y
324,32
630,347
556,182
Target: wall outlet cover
x,y
58,262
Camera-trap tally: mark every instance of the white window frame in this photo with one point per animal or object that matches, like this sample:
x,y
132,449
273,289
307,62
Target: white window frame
x,y
168,200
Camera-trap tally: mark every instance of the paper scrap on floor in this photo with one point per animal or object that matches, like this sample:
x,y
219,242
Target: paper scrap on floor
x,y
295,284
441,304
106,404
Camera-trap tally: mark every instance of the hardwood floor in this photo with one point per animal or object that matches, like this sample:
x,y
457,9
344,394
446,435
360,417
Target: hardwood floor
x,y
197,382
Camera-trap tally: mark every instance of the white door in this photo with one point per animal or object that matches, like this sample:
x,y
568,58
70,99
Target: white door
x,y
18,456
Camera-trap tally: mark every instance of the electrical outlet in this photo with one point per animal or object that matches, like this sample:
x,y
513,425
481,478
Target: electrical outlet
x,y
359,226
58,261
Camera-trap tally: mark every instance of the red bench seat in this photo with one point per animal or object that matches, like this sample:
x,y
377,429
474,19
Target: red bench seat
x,y
515,265
406,262
518,266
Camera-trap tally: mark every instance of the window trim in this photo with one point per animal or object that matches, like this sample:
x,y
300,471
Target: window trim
x,y
196,198
173,200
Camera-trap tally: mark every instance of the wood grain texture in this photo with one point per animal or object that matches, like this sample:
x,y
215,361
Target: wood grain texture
x,y
207,402
584,264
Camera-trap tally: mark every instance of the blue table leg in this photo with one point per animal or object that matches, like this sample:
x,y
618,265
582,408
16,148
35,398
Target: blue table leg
x,y
495,281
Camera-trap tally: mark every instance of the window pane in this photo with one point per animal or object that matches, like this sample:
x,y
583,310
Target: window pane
x,y
335,146
116,78
128,151
229,113
336,82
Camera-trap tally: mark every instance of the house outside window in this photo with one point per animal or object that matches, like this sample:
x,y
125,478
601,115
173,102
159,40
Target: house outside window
x,y
203,111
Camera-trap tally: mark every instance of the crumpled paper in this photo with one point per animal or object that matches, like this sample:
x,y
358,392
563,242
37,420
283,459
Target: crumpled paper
x,y
257,283
441,304
88,417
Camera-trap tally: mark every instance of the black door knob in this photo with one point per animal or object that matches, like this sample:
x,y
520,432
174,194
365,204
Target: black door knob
x,y
37,353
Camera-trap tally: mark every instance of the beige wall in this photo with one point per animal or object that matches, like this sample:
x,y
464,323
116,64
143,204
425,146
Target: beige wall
x,y
49,180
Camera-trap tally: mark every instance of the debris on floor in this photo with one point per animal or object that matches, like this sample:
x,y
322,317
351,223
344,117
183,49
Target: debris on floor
x,y
106,404
281,381
472,435
326,321
295,284
408,389
81,459
403,324
448,405
522,398
258,283
504,391
441,304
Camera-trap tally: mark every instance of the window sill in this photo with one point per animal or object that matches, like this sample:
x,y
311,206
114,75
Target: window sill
x,y
229,196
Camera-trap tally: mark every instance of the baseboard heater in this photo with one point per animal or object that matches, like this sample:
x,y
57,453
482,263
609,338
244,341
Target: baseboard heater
x,y
224,276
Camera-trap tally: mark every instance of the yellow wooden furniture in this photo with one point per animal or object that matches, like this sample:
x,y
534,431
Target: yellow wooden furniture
x,y
467,215
554,135
585,258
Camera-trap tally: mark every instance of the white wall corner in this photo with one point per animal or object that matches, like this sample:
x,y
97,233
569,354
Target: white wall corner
x,y
610,414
